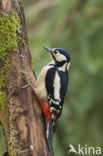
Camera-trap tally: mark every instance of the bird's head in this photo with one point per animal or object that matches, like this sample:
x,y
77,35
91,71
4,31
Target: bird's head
x,y
60,56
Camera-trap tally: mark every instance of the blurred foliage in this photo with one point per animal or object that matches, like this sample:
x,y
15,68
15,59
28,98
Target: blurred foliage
x,y
3,148
76,25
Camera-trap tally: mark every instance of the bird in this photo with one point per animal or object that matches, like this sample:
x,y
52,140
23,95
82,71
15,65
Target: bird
x,y
51,87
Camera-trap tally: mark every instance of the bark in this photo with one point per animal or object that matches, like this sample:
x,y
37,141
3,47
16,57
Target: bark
x,y
21,117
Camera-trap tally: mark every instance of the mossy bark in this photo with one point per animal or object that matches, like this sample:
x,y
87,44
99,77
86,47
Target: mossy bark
x,y
20,111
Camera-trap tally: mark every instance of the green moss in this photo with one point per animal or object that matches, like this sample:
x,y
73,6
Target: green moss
x,y
10,36
12,152
3,100
3,81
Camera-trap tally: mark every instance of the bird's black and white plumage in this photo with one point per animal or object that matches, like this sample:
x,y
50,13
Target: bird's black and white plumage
x,y
56,86
56,82
51,85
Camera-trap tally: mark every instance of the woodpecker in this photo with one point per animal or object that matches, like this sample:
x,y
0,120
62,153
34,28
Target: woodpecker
x,y
51,87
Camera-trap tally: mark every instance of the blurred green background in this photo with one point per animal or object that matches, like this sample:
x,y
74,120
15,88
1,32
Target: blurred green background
x,y
76,25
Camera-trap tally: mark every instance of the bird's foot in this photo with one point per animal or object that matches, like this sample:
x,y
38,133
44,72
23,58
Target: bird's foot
x,y
27,86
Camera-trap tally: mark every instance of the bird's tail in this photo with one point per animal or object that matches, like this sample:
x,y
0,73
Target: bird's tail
x,y
54,125
51,127
49,133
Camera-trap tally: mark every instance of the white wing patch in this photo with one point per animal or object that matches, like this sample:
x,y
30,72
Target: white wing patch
x,y
56,86
56,94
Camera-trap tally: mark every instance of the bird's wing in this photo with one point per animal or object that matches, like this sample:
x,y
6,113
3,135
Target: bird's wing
x,y
64,83
53,89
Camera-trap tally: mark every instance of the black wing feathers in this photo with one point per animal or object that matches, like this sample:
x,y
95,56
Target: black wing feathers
x,y
64,83
55,108
49,80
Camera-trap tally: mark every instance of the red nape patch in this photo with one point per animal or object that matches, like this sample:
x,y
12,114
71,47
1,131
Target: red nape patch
x,y
45,108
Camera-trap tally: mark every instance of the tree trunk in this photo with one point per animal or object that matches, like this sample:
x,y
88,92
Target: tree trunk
x,y
20,112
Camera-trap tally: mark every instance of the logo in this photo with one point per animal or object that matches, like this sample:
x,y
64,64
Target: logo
x,y
84,150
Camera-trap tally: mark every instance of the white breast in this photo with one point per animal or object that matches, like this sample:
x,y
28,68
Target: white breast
x,y
40,84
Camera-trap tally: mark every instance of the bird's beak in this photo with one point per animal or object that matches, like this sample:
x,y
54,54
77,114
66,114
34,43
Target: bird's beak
x,y
48,49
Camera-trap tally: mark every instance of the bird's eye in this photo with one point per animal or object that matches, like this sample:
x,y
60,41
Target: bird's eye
x,y
55,52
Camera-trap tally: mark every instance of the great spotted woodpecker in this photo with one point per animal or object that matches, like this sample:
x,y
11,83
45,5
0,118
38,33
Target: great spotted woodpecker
x,y
51,87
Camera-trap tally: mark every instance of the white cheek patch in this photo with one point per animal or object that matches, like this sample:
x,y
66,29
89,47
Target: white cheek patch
x,y
63,68
60,57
